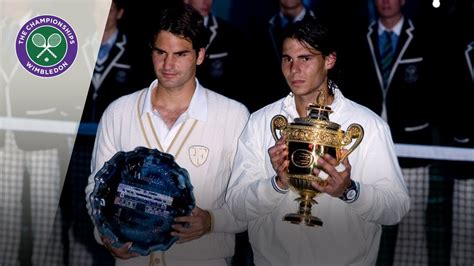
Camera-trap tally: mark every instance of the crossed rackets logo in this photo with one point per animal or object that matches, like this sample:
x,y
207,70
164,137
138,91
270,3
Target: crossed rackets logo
x,y
40,41
46,46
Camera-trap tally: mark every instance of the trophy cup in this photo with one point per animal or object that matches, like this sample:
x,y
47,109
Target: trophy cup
x,y
137,195
309,138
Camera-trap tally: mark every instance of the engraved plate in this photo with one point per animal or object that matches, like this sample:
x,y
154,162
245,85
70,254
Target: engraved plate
x,y
136,197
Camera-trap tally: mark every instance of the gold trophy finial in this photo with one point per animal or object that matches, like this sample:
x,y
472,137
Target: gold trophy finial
x,y
309,138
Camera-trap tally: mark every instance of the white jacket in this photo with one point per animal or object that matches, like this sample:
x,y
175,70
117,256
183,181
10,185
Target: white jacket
x,y
220,122
351,233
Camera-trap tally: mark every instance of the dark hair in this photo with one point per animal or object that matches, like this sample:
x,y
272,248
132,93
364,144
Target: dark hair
x,y
184,21
119,3
312,31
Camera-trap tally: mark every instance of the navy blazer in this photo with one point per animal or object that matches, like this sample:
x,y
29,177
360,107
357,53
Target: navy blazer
x,y
411,97
267,76
222,68
110,80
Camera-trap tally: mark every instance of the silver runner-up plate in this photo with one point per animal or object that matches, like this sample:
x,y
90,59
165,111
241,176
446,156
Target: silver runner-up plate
x,y
136,197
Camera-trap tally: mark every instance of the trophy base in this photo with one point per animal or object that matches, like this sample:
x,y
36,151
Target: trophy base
x,y
296,218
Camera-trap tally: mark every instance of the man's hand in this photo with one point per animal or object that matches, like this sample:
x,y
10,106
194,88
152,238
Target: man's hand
x,y
195,225
337,182
122,252
279,158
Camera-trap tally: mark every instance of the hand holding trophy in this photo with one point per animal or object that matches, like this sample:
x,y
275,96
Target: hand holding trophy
x,y
309,138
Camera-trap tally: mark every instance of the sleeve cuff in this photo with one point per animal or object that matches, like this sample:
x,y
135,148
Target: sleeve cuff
x,y
211,215
364,200
276,187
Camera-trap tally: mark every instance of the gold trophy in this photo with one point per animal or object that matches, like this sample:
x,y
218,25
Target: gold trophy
x,y
309,138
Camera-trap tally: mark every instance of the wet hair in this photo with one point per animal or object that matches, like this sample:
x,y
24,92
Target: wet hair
x,y
311,31
184,21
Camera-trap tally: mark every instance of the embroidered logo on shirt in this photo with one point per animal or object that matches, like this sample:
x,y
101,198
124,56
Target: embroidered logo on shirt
x,y
198,154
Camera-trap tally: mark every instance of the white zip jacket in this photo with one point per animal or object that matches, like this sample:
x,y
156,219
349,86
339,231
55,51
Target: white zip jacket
x,y
351,233
205,147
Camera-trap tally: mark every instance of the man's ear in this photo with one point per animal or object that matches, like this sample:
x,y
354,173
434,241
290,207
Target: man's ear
x,y
331,60
201,56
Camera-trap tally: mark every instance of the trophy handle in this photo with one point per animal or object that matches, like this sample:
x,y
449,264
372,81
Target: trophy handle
x,y
279,122
354,131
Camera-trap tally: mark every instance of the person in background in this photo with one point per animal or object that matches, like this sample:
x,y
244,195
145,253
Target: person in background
x,y
224,54
395,71
365,191
199,127
266,42
452,209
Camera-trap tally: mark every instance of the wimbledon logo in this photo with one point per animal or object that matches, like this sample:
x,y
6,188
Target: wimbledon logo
x,y
46,46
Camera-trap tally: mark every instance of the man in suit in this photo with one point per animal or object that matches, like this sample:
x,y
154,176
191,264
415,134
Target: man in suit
x,y
390,72
266,43
224,54
456,177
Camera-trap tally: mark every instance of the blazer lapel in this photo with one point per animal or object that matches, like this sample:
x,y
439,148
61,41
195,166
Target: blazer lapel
x,y
213,25
373,41
469,53
115,54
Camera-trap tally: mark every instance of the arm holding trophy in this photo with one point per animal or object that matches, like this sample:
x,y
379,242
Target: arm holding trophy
x,y
315,173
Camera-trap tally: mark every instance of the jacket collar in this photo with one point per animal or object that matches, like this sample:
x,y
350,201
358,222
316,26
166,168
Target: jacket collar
x,y
288,106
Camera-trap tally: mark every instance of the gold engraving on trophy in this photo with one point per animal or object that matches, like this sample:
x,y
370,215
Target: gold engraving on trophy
x,y
302,158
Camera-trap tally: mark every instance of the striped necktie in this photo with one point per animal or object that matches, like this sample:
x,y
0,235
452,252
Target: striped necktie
x,y
386,56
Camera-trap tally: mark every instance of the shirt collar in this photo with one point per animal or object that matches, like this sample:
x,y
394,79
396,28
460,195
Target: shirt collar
x,y
289,106
397,29
297,18
111,40
197,107
336,104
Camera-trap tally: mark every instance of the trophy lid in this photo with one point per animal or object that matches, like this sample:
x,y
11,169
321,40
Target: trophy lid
x,y
318,116
136,197
319,112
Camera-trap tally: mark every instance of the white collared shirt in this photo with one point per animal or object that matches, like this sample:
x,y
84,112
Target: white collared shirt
x,y
197,109
397,29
